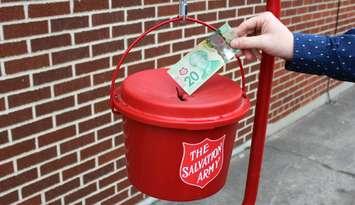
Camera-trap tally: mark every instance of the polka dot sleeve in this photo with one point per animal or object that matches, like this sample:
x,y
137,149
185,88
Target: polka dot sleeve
x,y
324,55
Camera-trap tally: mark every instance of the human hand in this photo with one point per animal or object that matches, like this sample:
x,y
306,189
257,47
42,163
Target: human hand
x,y
267,33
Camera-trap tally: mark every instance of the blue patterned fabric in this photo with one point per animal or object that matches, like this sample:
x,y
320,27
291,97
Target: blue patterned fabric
x,y
324,55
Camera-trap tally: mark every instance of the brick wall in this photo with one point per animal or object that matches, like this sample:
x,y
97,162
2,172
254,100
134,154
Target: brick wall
x,y
59,142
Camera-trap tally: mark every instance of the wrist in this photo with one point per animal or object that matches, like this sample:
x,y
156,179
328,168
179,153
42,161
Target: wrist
x,y
289,49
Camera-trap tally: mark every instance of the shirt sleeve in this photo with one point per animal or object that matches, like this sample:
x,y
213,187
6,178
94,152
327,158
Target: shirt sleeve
x,y
324,55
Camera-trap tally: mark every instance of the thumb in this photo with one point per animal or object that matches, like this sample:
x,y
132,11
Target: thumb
x,y
248,42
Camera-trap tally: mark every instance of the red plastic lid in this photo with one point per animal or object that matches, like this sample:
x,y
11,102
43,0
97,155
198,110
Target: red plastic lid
x,y
151,97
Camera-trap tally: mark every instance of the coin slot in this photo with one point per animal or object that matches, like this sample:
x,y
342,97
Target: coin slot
x,y
180,94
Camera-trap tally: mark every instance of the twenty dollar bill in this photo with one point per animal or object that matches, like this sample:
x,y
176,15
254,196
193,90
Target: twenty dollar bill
x,y
195,68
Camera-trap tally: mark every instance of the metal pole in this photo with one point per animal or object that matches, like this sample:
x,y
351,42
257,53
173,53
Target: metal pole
x,y
261,118
183,9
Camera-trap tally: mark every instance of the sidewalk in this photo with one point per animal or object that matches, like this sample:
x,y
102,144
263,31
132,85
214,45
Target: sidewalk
x,y
311,162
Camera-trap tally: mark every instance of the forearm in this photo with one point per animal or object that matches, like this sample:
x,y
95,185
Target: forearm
x,y
324,55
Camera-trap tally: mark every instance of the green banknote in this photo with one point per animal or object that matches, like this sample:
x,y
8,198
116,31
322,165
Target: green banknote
x,y
196,67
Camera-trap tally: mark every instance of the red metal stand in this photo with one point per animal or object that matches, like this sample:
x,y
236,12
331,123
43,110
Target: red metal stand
x,y
261,118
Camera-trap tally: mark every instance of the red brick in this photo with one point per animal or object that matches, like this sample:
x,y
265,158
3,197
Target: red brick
x,y
260,8
147,2
168,10
133,56
122,184
4,137
18,179
133,200
167,61
50,42
133,190
194,31
70,55
253,1
62,189
245,130
36,200
104,77
236,3
212,16
40,185
25,29
10,13
115,199
6,169
59,202
216,4
95,149
2,106
9,198
107,18
140,66
72,85
245,11
143,13
12,84
52,75
119,140
90,5
120,3
48,9
92,35
126,29
15,117
107,47
100,196
227,14
149,39
54,105
77,143
169,35
235,22
93,94
112,155
156,51
150,23
29,97
16,149
26,64
121,163
12,48
73,115
37,157
98,173
58,163
91,66
184,45
94,122
109,131
80,193
101,106
78,169
197,6
69,23
56,136
111,179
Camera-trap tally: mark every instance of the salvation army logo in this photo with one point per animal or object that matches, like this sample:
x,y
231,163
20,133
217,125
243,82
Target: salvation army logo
x,y
202,162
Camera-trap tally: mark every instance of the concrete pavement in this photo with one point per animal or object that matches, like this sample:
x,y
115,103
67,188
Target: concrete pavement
x,y
311,162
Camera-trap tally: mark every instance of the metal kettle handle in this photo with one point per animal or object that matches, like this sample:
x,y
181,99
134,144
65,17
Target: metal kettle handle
x,y
176,19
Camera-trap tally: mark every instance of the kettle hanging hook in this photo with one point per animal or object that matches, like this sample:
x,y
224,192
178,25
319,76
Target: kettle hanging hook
x,y
183,9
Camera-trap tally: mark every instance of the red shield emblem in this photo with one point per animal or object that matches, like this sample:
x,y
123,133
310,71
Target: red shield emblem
x,y
202,162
